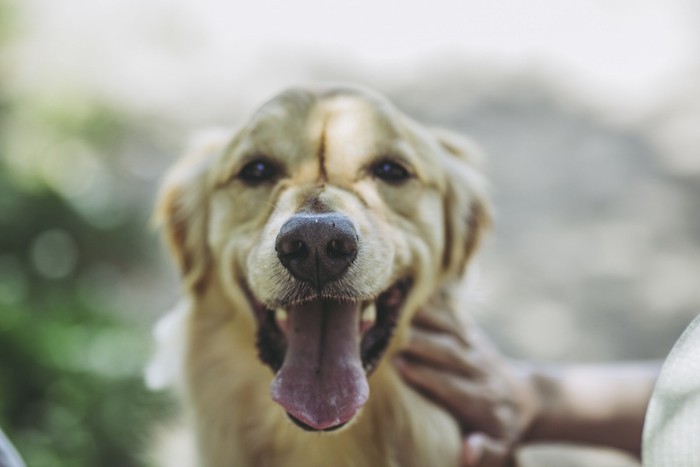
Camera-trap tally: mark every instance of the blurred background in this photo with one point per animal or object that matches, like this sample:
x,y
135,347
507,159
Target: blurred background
x,y
589,112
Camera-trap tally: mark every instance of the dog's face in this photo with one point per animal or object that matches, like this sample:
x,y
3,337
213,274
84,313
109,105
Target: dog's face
x,y
334,216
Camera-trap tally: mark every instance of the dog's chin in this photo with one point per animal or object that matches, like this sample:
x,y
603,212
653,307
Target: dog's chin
x,y
322,349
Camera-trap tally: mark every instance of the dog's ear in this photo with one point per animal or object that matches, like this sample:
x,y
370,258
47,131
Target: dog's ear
x,y
467,210
182,208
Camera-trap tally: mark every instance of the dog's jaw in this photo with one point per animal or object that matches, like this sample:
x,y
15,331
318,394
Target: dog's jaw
x,y
321,373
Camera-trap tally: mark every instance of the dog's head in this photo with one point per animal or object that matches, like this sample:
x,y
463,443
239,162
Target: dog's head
x,y
336,216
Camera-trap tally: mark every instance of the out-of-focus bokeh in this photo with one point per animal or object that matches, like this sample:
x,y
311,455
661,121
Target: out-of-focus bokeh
x,y
589,113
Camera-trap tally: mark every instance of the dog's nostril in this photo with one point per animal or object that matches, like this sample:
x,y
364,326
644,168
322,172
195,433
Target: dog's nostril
x,y
291,248
339,248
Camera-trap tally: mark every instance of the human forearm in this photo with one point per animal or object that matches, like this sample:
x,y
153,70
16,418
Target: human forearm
x,y
601,404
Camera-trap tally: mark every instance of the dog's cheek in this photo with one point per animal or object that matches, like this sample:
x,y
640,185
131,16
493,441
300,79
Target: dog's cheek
x,y
229,261
261,269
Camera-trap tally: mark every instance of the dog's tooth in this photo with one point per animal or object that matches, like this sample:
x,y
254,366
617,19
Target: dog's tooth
x,y
369,314
281,319
368,318
280,314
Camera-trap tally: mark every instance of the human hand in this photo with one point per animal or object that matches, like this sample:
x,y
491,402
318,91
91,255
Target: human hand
x,y
492,398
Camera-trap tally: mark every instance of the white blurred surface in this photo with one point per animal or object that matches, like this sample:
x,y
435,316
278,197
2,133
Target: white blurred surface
x,y
163,55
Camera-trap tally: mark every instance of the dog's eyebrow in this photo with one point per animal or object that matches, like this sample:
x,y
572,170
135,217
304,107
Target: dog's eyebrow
x,y
391,156
397,151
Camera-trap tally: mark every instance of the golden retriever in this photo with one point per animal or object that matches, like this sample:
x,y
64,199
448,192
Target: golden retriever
x,y
306,242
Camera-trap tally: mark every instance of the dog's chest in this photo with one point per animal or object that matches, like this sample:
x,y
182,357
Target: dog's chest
x,y
398,428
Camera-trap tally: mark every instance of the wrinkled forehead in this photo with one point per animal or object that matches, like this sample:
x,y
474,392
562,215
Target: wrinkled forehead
x,y
336,103
339,124
356,127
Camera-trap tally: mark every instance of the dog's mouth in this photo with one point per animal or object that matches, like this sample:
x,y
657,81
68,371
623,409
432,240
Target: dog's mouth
x,y
322,351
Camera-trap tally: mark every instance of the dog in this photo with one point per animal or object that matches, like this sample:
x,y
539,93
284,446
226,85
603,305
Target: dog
x,y
306,241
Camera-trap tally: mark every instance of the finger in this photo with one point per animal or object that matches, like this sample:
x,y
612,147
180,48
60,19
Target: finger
x,y
463,398
466,332
442,351
437,384
439,321
479,340
481,450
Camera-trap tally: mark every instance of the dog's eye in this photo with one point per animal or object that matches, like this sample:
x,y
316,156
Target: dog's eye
x,y
390,171
258,171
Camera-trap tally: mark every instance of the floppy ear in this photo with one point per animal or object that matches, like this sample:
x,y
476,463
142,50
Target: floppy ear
x,y
467,210
182,208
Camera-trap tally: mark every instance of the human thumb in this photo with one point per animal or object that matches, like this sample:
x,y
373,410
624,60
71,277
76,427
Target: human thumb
x,y
480,450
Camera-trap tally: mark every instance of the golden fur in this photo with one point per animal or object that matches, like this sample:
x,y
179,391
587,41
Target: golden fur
x,y
221,231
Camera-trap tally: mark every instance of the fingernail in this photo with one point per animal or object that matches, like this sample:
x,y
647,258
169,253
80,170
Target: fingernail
x,y
473,449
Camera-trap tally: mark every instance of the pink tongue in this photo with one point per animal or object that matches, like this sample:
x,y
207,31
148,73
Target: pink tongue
x,y
322,382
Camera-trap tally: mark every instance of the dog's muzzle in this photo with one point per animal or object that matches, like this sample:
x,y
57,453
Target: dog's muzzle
x,y
323,341
321,383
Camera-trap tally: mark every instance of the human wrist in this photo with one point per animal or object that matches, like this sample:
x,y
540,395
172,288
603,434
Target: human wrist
x,y
543,385
536,389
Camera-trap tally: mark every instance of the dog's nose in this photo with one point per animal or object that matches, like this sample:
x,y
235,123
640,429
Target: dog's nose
x,y
317,248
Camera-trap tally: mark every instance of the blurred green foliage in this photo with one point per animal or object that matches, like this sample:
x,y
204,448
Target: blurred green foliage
x,y
71,390
7,25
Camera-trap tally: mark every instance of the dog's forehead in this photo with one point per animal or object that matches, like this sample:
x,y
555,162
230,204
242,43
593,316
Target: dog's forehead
x,y
337,133
344,124
347,113
355,130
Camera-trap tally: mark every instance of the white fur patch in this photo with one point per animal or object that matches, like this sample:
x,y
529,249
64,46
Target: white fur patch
x,y
170,333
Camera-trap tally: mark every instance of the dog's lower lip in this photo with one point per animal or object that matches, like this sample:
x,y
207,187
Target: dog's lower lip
x,y
306,427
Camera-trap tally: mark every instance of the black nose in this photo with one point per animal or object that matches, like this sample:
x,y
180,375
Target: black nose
x,y
317,248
